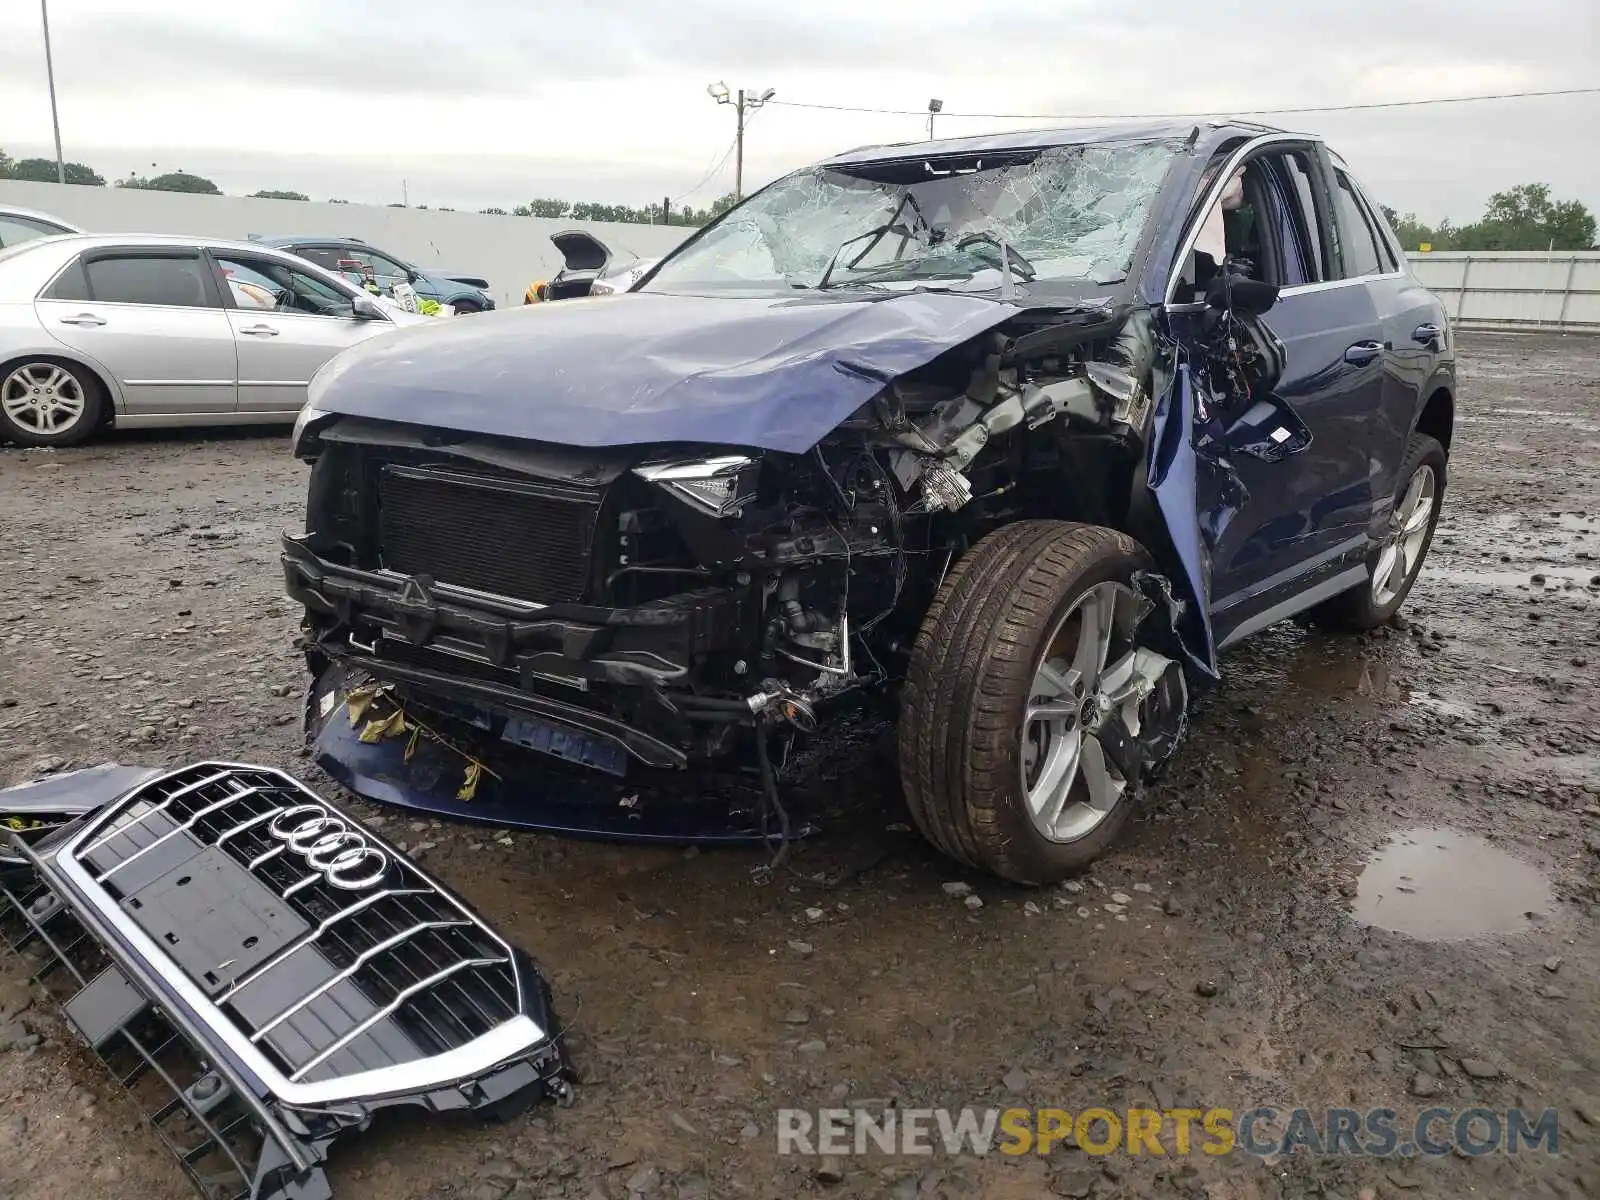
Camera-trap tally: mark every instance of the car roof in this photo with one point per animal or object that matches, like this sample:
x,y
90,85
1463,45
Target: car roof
x,y
92,241
306,239
1042,139
12,210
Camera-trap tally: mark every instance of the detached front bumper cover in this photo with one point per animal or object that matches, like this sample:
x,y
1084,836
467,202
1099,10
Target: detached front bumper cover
x,y
264,974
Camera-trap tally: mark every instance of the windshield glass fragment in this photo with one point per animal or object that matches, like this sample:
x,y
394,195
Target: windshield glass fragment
x,y
1068,213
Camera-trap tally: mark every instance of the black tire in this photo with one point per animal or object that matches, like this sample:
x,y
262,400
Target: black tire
x,y
1358,609
966,691
466,307
84,380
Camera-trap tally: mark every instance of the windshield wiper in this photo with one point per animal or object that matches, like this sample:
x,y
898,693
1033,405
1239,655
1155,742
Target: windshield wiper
x,y
877,234
1010,258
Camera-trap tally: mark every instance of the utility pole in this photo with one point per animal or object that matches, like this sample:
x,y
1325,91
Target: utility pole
x,y
50,74
744,102
738,154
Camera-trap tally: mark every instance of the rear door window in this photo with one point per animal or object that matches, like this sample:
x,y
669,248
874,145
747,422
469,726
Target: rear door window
x,y
71,284
1358,239
173,281
1297,168
326,257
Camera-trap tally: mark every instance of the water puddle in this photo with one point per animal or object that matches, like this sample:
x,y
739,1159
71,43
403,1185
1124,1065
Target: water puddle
x,y
1442,885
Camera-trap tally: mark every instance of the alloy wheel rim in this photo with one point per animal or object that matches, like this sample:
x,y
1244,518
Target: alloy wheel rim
x,y
1409,523
1085,678
42,398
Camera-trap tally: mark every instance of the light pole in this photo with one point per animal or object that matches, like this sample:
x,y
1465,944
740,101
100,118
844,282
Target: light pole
x,y
50,74
743,102
934,106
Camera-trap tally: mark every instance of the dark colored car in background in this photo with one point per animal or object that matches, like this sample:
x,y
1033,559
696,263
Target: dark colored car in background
x,y
356,259
1019,431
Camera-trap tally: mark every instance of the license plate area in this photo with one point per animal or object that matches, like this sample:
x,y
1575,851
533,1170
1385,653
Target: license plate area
x,y
194,913
567,743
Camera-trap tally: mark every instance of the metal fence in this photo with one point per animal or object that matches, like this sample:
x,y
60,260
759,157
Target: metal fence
x,y
1515,290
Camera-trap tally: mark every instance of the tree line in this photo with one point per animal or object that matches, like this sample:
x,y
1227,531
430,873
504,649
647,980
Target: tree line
x,y
43,170
1522,218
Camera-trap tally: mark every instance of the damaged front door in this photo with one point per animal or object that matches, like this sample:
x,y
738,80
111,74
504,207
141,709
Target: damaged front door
x,y
1277,526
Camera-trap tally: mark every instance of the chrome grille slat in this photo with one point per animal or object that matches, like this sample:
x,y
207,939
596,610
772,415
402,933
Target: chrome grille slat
x,y
425,971
258,819
313,935
420,986
214,806
151,810
387,944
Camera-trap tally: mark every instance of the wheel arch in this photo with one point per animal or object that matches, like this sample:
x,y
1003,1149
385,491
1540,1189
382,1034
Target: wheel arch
x,y
1437,417
108,390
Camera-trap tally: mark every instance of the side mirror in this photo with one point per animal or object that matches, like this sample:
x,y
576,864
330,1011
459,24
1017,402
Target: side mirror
x,y
367,309
1240,294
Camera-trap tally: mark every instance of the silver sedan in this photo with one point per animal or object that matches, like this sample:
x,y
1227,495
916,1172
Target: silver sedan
x,y
141,330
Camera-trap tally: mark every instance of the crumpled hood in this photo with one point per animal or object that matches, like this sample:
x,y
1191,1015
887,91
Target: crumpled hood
x,y
770,373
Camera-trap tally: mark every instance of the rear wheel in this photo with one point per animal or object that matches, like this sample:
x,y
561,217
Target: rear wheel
x,y
1393,565
48,403
1029,711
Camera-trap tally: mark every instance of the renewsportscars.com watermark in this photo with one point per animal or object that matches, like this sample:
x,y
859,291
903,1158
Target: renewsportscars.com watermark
x,y
1262,1132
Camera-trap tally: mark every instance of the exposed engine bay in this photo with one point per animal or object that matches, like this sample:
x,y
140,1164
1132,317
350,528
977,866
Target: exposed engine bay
x,y
650,606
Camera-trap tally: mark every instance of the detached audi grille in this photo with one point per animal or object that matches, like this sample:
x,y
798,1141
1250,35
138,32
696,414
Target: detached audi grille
x,y
520,538
227,937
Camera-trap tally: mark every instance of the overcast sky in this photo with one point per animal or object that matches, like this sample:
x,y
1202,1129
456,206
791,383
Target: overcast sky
x,y
490,102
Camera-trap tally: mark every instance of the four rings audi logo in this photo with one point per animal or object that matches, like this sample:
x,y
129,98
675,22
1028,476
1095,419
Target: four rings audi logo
x,y
343,855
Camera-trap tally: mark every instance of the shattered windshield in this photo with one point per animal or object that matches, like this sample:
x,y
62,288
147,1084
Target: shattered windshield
x,y
1064,213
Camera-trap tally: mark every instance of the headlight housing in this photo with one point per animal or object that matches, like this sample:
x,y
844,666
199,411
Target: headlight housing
x,y
300,439
719,486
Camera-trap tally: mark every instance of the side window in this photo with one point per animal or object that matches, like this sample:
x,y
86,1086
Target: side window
x,y
1283,242
15,229
71,284
326,257
1380,229
255,283
1298,169
382,265
1358,241
171,280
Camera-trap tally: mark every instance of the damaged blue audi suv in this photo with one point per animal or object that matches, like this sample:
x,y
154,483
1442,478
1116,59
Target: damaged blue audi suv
x,y
1016,432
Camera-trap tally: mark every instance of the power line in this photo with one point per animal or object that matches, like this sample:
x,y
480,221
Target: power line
x,y
750,117
707,177
1215,112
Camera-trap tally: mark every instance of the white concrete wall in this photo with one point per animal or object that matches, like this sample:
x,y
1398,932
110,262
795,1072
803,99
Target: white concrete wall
x,y
1504,289
1515,289
510,252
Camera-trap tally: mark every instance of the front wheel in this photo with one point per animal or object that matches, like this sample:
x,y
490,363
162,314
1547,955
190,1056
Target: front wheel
x,y
1031,713
1394,564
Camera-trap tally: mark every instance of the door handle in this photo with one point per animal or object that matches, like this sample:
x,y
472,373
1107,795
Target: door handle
x,y
260,330
83,319
1363,352
1426,334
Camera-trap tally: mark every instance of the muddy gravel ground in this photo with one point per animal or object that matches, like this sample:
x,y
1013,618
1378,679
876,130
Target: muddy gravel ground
x,y
1224,955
